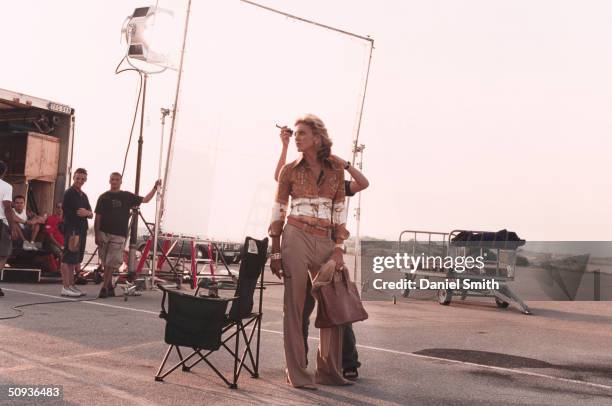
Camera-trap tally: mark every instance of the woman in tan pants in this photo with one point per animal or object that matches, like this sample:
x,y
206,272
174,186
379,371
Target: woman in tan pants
x,y
314,233
350,356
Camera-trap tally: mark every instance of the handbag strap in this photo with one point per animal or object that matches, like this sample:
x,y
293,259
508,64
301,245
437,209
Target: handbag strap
x,y
345,276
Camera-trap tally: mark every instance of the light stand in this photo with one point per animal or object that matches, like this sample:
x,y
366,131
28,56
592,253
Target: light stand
x,y
358,149
134,226
164,113
159,208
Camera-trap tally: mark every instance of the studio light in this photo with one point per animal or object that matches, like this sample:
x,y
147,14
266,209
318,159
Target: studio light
x,y
152,36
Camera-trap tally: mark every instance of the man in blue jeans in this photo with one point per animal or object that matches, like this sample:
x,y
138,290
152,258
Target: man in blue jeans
x,y
350,357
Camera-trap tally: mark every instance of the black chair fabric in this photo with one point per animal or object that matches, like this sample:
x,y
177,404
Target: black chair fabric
x,y
194,321
253,259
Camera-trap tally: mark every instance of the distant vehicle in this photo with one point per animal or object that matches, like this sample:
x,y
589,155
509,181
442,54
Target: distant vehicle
x,y
36,141
231,251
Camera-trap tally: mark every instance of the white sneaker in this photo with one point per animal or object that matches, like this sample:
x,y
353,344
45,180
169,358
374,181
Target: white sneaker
x,y
27,246
68,292
75,290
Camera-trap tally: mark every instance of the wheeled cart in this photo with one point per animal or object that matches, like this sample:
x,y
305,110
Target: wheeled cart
x,y
443,257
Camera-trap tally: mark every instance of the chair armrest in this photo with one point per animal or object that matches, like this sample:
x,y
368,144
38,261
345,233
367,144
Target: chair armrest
x,y
224,299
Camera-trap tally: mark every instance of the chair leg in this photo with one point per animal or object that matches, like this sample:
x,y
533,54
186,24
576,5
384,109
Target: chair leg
x,y
185,368
241,364
247,351
204,358
201,357
225,340
182,362
256,366
239,358
248,339
235,384
158,378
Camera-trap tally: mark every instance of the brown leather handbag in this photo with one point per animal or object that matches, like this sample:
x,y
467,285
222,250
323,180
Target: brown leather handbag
x,y
339,302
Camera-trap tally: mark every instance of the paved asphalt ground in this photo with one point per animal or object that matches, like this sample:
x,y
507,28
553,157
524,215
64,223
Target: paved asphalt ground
x,y
415,352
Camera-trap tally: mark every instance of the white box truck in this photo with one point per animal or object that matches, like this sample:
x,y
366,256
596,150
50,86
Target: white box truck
x,y
36,141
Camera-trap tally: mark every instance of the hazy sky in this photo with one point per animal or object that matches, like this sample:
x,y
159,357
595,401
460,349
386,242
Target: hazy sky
x,y
480,114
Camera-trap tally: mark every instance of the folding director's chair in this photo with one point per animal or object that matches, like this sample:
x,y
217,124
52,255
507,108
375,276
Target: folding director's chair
x,y
202,324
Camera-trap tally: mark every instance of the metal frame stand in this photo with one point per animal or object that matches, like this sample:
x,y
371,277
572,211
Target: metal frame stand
x,y
164,113
134,225
357,148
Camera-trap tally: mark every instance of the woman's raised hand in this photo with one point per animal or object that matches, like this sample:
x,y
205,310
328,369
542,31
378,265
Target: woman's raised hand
x,y
285,135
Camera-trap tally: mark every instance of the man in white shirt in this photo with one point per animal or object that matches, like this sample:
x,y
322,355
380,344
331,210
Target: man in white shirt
x,y
29,225
7,218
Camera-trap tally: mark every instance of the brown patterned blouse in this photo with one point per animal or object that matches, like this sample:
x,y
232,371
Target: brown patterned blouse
x,y
317,201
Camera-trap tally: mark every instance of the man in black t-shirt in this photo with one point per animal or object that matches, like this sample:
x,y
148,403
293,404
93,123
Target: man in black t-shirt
x,y
76,212
113,212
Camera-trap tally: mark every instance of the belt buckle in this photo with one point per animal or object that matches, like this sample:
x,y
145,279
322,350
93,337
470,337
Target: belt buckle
x,y
309,229
318,230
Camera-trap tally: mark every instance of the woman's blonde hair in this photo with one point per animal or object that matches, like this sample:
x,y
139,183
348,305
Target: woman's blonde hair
x,y
318,128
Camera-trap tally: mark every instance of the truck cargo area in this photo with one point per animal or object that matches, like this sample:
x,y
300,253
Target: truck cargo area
x,y
36,137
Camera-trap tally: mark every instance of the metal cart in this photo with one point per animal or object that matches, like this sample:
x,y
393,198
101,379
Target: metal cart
x,y
498,252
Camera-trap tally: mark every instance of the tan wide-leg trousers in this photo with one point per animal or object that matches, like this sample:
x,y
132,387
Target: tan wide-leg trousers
x,y
303,253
